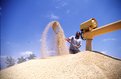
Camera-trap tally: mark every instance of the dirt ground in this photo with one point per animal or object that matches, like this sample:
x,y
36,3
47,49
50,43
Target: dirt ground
x,y
83,65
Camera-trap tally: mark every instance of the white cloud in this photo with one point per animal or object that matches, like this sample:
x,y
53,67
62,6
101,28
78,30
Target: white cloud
x,y
109,39
61,4
26,53
104,52
53,16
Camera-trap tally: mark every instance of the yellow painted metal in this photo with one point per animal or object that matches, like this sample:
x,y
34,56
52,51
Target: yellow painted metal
x,y
98,31
88,25
103,29
88,44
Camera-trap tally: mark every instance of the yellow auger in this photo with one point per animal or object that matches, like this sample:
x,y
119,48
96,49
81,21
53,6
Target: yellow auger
x,y
89,30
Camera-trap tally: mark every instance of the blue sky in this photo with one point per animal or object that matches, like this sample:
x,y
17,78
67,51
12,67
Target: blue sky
x,y
23,21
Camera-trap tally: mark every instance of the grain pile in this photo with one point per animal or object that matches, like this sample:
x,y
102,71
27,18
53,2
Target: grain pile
x,y
83,65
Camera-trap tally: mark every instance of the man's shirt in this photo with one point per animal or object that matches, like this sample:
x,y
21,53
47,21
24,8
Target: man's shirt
x,y
73,41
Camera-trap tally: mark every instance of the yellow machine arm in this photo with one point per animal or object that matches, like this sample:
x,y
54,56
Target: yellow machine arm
x,y
88,34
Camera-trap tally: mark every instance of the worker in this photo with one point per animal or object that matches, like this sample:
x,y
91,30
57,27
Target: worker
x,y
75,43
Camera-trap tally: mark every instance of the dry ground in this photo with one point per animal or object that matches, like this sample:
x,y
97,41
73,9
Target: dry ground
x,y
83,65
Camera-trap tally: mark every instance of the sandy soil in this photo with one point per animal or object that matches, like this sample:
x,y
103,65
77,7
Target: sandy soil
x,y
84,65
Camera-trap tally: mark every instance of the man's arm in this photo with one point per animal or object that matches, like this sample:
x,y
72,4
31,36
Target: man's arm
x,y
68,40
77,46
